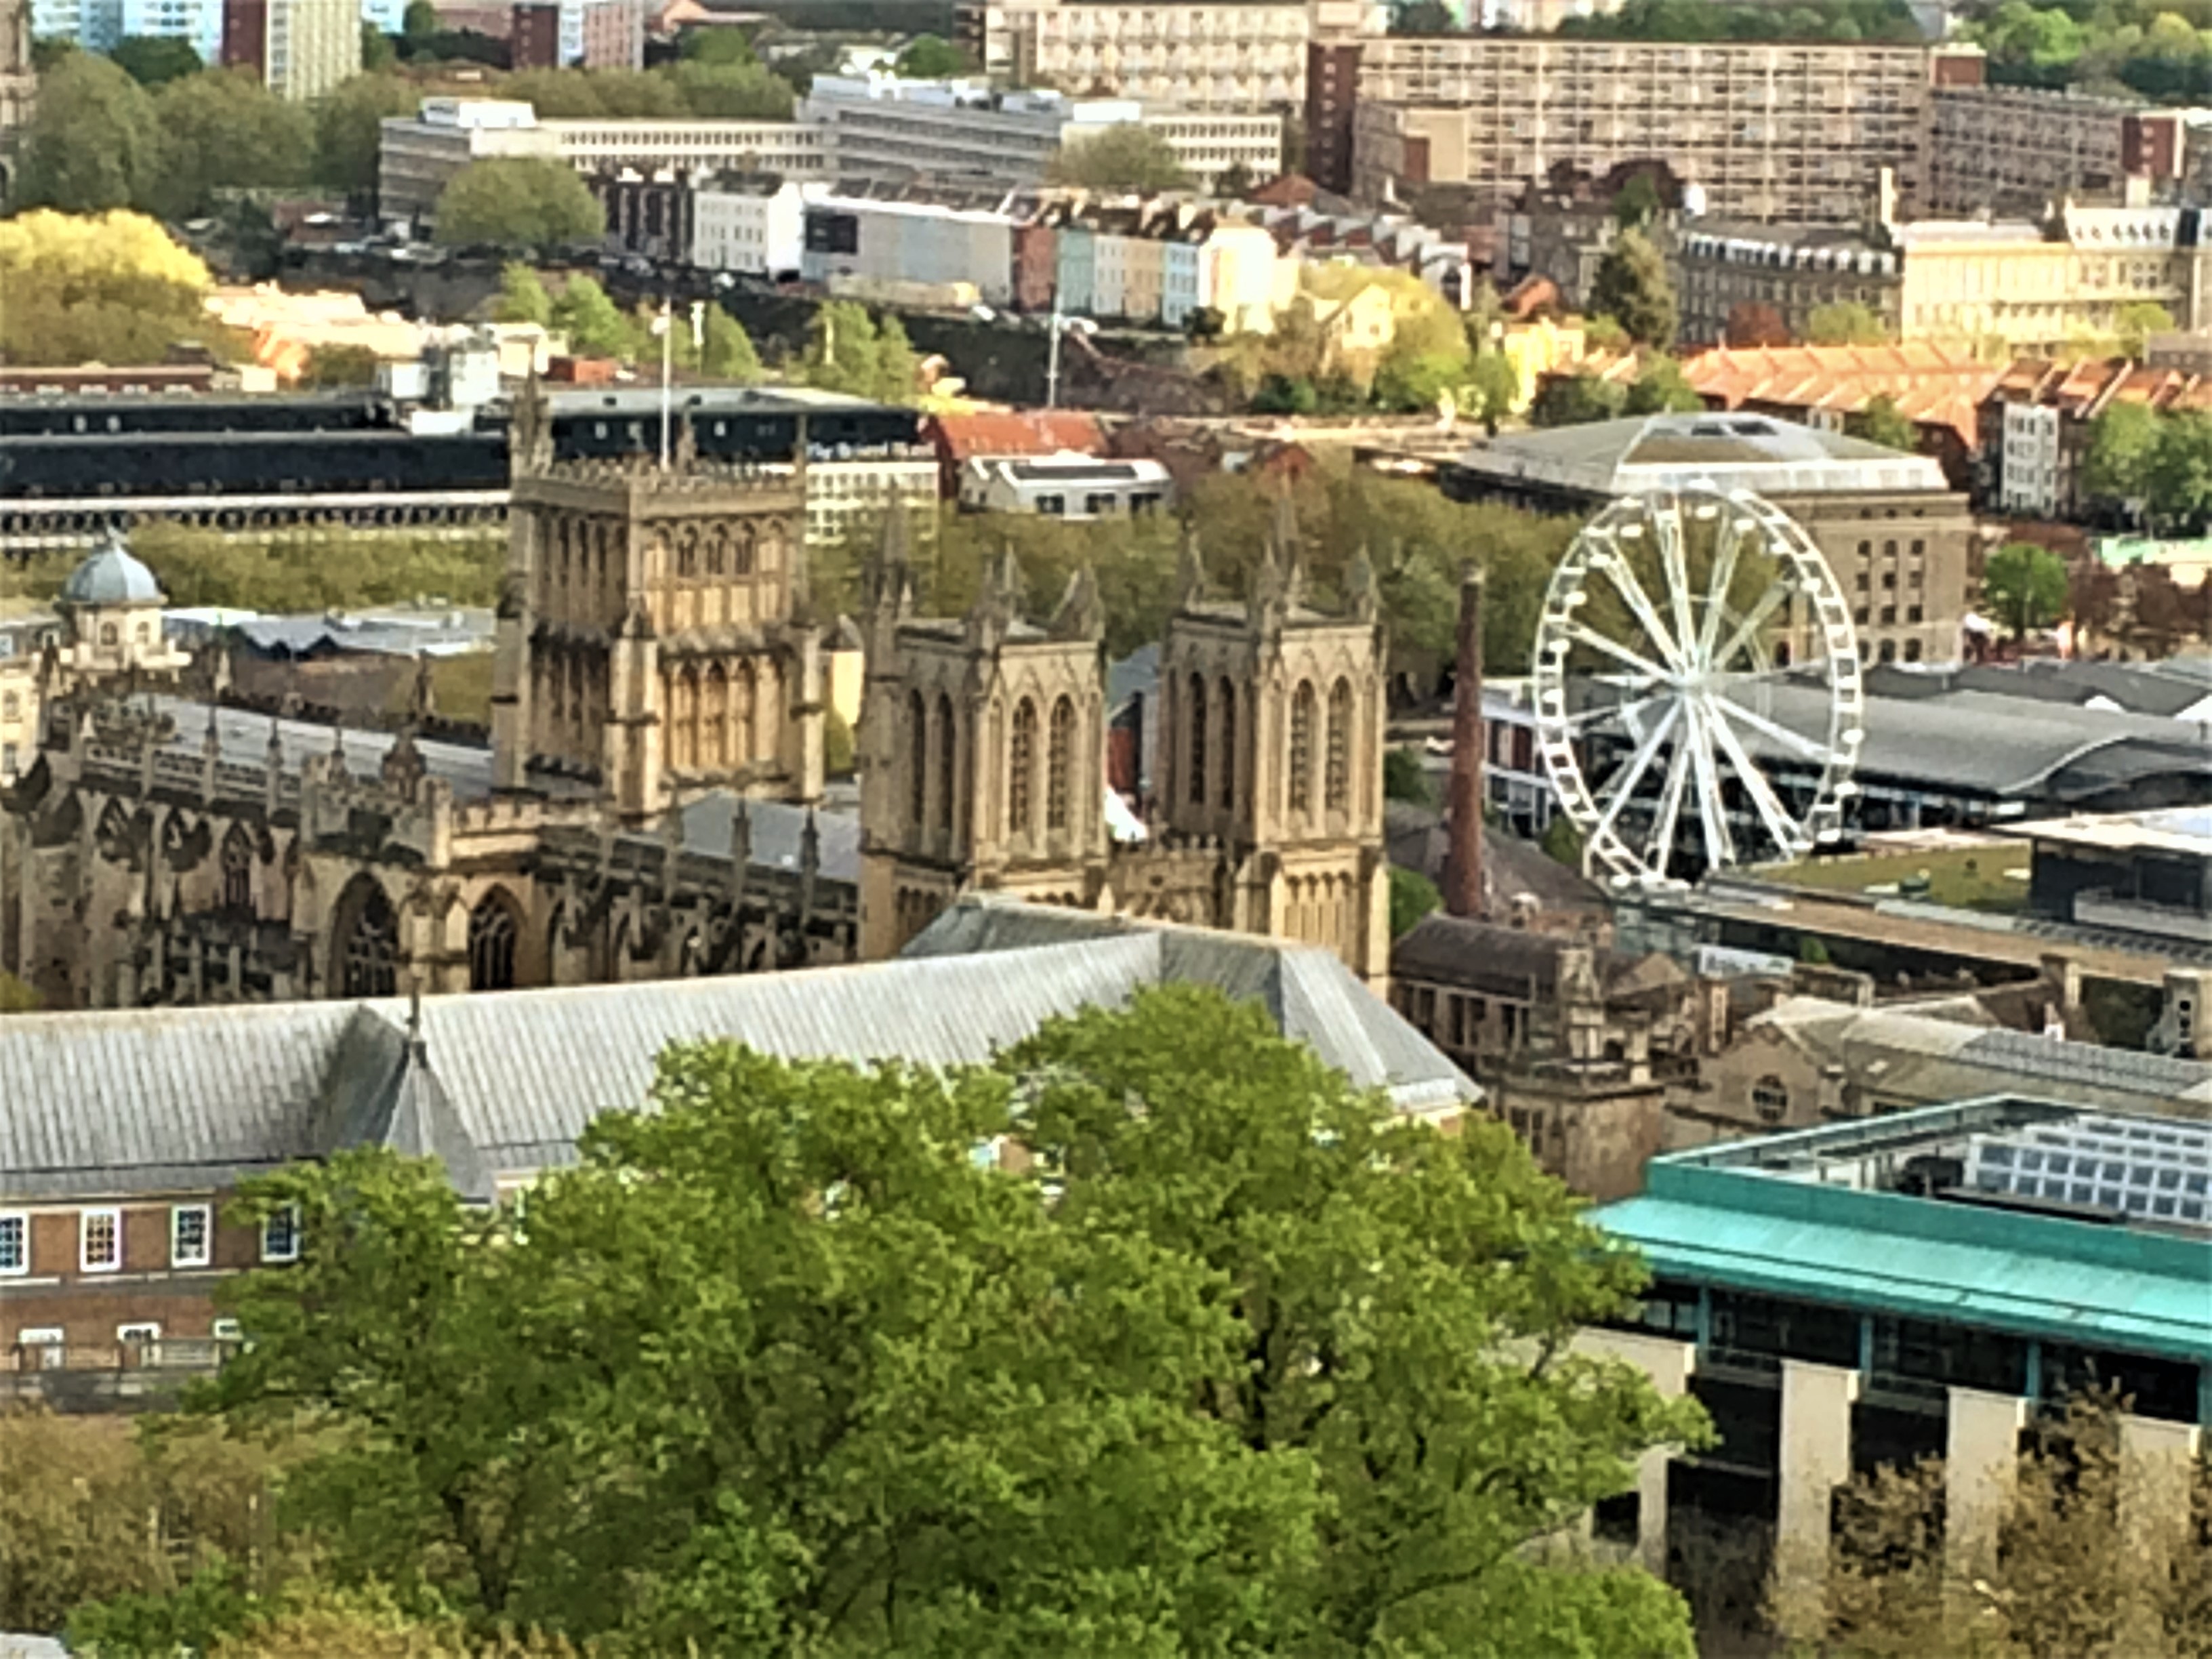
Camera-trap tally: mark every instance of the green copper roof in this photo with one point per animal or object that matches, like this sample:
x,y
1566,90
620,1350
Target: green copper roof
x,y
1726,1219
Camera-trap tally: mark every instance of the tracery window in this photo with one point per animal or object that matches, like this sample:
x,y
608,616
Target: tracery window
x,y
1227,770
492,933
948,760
1300,767
371,947
1337,783
917,760
1197,741
237,870
1021,758
1059,755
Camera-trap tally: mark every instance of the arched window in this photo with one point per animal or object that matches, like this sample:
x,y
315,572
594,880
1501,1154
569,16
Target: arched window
x,y
1060,760
683,723
237,869
717,549
369,943
1021,758
714,720
741,552
109,634
1197,741
492,932
948,760
1337,784
687,551
1226,771
917,758
1300,767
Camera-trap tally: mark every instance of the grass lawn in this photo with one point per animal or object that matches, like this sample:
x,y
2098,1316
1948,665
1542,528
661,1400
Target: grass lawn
x,y
461,686
1970,878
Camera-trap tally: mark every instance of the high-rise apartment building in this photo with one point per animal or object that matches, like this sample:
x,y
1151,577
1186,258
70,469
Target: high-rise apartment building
x,y
1763,131
300,48
97,25
2019,150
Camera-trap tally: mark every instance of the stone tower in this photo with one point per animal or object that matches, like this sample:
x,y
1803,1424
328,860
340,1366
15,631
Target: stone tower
x,y
982,743
1271,748
654,634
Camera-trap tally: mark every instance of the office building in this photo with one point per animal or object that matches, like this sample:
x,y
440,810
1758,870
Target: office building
x,y
1792,270
298,49
2021,151
98,25
754,223
1761,132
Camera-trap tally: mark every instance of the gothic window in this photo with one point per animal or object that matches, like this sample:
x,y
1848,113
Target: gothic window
x,y
741,716
917,757
1197,714
1227,770
369,943
713,719
1300,767
108,634
948,760
1338,786
1060,758
741,552
717,549
683,723
492,933
237,870
1021,758
687,551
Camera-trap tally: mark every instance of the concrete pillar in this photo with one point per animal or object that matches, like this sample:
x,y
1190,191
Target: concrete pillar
x,y
1669,1363
1981,1469
1815,1459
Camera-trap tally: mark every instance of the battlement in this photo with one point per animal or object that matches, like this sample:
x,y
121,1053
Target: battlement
x,y
519,813
641,476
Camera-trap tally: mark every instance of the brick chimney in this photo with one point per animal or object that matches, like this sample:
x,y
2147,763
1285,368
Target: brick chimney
x,y
1463,891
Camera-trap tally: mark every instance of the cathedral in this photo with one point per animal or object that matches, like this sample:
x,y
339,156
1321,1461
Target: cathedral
x,y
652,804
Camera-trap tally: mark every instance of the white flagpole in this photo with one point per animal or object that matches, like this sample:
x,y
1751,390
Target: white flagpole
x,y
667,332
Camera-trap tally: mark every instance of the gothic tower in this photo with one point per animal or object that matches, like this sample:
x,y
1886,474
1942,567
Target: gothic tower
x,y
981,742
1271,747
654,633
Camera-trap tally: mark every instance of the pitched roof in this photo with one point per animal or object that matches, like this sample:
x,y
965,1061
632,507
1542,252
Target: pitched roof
x,y
166,1100
1016,432
1930,384
1658,452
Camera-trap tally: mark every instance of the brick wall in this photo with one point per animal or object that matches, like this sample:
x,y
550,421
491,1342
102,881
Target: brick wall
x,y
145,1287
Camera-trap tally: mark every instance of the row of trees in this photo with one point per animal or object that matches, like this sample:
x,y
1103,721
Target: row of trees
x,y
101,287
2158,49
596,325
1243,1363
2149,464
1888,21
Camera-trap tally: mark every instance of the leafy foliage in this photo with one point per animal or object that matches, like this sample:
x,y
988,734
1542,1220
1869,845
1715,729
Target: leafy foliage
x,y
303,570
1576,400
1630,287
2123,446
1413,895
224,130
521,201
1882,422
2181,470
92,144
2154,48
1718,20
1243,1363
1661,388
16,997
2136,323
931,58
335,366
348,127
1845,322
2026,585
1754,323
1404,778
594,323
522,296
107,287
1128,157
152,59
849,351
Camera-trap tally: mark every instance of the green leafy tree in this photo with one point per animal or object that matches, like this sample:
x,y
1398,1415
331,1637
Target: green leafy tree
x,y
1562,843
1661,388
1234,182
1128,157
1404,778
594,323
48,50
734,92
224,130
377,53
1493,388
728,353
2181,470
1630,287
522,296
1576,399
1413,895
1410,382
2123,446
153,60
348,127
1845,322
719,45
2026,585
521,202
837,744
928,58
2134,325
848,351
92,143
1637,203
419,21
332,366
1423,17
1882,422
110,287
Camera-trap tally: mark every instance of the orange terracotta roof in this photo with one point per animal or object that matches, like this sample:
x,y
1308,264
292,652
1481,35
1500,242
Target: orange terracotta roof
x,y
2088,386
1931,385
1032,432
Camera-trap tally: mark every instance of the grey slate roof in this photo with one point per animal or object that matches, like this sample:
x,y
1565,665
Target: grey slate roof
x,y
112,576
166,1100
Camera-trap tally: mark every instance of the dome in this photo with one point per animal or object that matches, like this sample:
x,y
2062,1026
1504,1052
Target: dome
x,y
112,576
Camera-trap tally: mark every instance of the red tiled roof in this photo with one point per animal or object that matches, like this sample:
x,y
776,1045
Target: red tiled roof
x,y
1029,432
1931,385
2090,386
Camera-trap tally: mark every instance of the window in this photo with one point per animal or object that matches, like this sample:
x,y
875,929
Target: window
x,y
137,1334
280,1236
492,933
1021,759
237,869
99,1241
11,706
226,1330
1227,768
1770,1098
191,1233
917,720
1099,506
948,760
1197,740
1056,506
1059,752
14,1243
1300,767
1337,785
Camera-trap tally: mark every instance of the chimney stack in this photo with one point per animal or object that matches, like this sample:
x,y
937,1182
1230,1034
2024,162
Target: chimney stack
x,y
1463,891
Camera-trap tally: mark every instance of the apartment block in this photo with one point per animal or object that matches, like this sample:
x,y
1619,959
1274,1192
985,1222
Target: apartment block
x,y
300,49
1792,270
1250,56
1757,131
2015,150
855,245
2035,421
753,223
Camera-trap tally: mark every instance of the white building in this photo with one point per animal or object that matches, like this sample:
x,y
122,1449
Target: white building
x,y
97,25
307,46
2028,475
1064,486
886,127
856,243
755,224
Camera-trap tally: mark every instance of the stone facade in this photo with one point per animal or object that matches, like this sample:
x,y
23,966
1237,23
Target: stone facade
x,y
984,742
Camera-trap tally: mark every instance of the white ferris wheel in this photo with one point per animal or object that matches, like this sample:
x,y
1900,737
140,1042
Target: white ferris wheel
x,y
1672,741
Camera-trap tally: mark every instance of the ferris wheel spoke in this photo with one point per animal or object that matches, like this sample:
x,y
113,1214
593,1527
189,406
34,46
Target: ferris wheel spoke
x,y
1605,711
1585,635
1671,562
1624,583
1623,784
1754,620
1712,811
1717,592
1659,848
1779,823
1795,741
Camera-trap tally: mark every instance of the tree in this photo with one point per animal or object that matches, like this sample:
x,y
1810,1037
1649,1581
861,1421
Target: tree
x,y
153,59
1128,157
522,296
1422,17
1575,399
1661,388
92,143
2116,466
1882,422
1754,323
1845,322
728,353
419,21
349,127
1637,203
848,351
1495,387
2181,470
719,45
1413,895
1234,182
224,130
2135,324
1562,843
1404,778
1630,287
107,288
736,92
2026,585
376,52
781,1367
927,58
332,366
594,323
521,202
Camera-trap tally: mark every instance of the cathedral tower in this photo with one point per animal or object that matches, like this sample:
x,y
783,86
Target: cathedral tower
x,y
654,633
981,741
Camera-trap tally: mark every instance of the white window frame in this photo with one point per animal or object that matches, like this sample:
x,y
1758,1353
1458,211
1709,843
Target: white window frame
x,y
151,1331
84,1220
292,1212
22,1268
226,1330
206,1255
